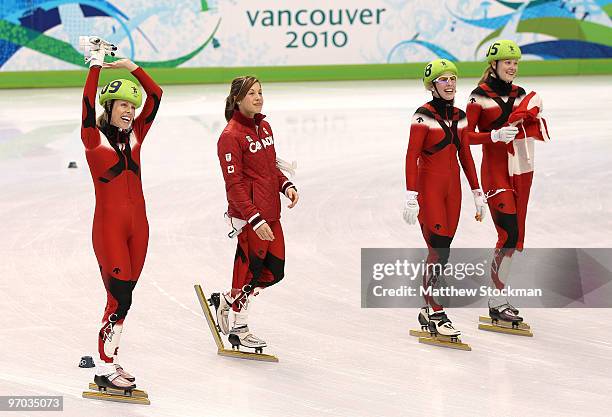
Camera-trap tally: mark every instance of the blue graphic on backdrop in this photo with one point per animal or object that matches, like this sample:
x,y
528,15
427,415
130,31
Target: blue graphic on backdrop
x,y
568,29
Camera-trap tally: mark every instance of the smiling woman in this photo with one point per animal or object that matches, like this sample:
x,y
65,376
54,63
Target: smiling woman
x,y
120,99
433,186
120,227
253,184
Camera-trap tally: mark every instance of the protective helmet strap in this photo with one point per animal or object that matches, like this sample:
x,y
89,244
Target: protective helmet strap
x,y
494,68
436,88
108,106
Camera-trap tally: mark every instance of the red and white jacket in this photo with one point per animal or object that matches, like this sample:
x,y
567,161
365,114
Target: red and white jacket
x,y
435,141
248,162
115,170
489,108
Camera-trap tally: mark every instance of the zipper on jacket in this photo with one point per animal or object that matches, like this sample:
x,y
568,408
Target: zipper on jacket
x,y
127,180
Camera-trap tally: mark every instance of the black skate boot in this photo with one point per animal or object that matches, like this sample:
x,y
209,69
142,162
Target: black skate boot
x,y
513,309
507,313
424,318
114,381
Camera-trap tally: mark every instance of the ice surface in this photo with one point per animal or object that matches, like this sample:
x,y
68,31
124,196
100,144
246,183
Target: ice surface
x,y
336,359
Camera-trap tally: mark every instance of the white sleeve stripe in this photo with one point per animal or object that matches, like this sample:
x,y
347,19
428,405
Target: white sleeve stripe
x,y
259,224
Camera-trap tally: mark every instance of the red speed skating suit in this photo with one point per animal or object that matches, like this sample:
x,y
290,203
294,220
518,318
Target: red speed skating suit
x,y
253,184
432,169
120,227
489,107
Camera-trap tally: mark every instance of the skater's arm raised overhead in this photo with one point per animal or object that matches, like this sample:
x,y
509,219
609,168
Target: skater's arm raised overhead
x,y
143,122
89,132
237,188
418,132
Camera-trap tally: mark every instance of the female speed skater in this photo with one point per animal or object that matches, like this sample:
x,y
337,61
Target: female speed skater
x,y
496,109
120,228
253,184
432,180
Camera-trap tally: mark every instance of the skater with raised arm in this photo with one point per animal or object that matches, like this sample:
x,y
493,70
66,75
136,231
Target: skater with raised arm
x,y
120,228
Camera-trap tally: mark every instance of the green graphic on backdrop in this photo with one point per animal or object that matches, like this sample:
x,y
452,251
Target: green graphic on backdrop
x,y
63,50
544,29
301,40
44,26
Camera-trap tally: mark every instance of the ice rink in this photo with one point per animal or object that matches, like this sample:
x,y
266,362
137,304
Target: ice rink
x,y
336,359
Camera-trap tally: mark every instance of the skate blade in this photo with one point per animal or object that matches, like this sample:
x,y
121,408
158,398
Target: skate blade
x,y
427,335
436,341
116,398
221,350
419,333
507,330
212,324
501,323
135,392
247,355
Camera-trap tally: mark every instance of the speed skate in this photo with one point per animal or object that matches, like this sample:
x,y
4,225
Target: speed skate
x,y
235,352
134,396
430,332
502,326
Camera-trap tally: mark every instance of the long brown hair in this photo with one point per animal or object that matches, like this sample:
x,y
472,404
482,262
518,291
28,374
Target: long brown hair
x,y
488,71
238,90
103,120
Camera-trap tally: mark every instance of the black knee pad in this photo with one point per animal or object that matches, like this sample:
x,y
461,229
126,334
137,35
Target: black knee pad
x,y
441,244
240,254
122,292
256,265
508,222
276,266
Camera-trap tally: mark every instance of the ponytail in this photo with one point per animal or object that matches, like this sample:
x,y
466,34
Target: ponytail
x,y
229,107
487,72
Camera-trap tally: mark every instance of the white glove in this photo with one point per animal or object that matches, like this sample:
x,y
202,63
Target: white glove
x,y
480,202
506,134
411,209
287,167
95,49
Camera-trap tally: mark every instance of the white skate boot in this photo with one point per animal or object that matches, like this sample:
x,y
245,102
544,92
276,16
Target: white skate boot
x,y
95,49
440,324
124,373
222,304
240,335
107,376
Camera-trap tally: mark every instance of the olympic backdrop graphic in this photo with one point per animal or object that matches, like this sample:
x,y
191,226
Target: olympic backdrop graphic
x,y
31,31
43,34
